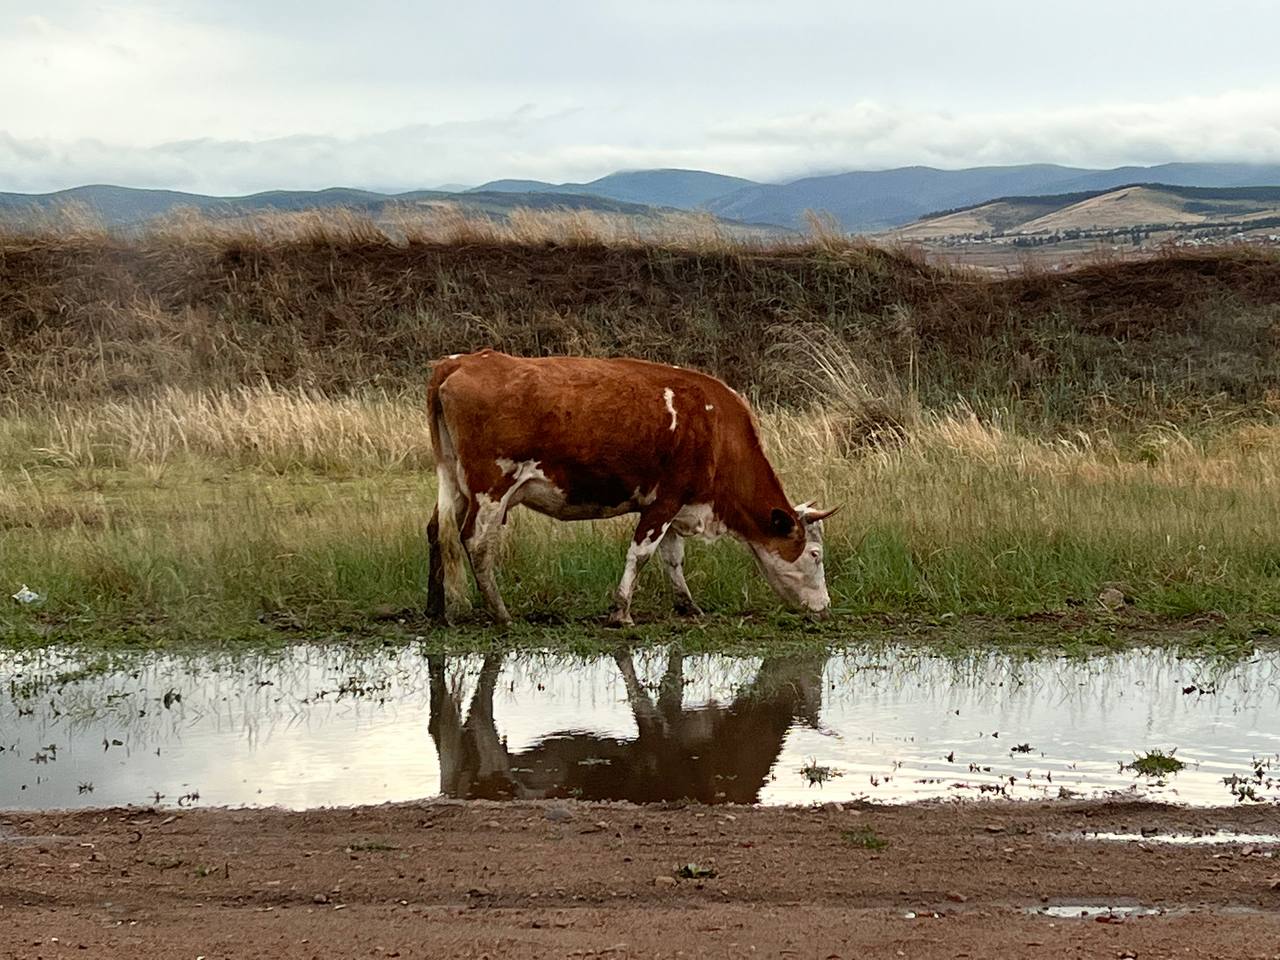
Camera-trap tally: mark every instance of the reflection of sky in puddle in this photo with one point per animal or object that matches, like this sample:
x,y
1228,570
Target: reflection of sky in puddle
x,y
322,726
1216,838
1092,911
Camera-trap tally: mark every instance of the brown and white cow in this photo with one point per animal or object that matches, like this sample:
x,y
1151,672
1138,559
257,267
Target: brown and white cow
x,y
583,439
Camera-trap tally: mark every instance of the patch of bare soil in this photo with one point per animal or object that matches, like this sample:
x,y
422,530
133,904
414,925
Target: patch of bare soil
x,y
452,879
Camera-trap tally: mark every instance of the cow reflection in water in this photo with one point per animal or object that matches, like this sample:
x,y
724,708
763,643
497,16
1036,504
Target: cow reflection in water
x,y
718,753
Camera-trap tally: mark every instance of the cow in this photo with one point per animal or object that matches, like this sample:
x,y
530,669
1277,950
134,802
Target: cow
x,y
579,438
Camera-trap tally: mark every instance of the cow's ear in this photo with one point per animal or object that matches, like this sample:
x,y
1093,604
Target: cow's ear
x,y
781,522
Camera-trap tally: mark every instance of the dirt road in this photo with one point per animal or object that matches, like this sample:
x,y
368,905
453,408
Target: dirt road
x,y
447,879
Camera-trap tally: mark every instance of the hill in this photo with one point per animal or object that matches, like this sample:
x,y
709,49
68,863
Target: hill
x,y
92,317
1147,206
682,189
129,207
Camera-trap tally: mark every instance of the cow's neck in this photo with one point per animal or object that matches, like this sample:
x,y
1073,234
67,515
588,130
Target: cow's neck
x,y
749,491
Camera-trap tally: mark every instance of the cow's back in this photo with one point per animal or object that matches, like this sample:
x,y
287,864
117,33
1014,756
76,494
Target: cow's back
x,y
601,430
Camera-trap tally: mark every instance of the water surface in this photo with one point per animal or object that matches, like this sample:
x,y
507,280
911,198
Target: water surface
x,y
318,726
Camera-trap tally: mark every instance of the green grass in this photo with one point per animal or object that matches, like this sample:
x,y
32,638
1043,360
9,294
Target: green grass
x,y
1156,763
864,837
284,517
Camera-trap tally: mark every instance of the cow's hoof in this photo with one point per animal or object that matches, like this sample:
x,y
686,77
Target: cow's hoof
x,y
619,618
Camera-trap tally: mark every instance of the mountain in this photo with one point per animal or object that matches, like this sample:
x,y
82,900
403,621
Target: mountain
x,y
872,200
520,186
1165,207
682,189
862,201
129,206
877,200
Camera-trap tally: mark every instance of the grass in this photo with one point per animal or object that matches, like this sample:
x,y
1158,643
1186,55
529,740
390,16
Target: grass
x,y
864,837
212,431
183,516
1157,763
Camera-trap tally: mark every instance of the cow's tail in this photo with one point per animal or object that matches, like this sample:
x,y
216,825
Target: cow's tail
x,y
447,584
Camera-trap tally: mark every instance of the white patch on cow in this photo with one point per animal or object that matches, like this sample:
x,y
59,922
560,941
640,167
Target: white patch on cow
x,y
698,520
637,555
488,516
709,406
454,356
669,396
521,472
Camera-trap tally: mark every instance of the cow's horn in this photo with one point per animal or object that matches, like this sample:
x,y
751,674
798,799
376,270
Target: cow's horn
x,y
810,514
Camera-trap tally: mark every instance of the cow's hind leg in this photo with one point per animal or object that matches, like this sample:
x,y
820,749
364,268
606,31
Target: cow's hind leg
x,y
435,569
653,527
672,551
480,534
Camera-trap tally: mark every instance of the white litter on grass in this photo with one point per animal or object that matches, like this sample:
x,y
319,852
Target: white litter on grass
x,y
27,595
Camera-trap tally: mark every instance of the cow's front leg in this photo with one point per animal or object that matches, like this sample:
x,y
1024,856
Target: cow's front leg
x,y
672,551
648,535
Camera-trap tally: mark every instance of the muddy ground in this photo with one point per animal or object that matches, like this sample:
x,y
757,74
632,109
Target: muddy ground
x,y
452,879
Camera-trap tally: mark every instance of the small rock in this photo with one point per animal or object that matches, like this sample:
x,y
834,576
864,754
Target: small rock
x,y
492,824
558,814
832,806
320,898
956,897
1111,598
994,828
664,881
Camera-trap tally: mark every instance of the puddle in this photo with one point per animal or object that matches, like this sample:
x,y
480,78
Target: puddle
x,y
1213,838
316,726
1093,911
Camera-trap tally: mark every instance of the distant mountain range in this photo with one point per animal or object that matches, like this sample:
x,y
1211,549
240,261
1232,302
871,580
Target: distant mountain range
x,y
862,201
869,201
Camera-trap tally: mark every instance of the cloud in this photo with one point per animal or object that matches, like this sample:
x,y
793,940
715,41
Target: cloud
x,y
586,143
1241,125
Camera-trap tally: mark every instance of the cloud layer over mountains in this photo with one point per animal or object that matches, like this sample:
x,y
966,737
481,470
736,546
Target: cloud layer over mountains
x,y
233,96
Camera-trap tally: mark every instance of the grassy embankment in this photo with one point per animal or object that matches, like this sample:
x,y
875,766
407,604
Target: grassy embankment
x,y
214,434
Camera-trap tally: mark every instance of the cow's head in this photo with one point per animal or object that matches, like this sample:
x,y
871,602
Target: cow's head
x,y
791,554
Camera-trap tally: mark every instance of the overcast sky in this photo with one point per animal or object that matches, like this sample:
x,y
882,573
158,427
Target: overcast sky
x,y
232,96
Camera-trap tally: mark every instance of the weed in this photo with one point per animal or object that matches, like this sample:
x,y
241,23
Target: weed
x,y
864,837
370,846
1156,763
814,772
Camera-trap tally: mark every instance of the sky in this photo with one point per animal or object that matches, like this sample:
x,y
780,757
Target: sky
x,y
234,96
